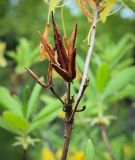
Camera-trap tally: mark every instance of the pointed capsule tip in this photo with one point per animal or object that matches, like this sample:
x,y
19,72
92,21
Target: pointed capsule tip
x,y
39,33
52,18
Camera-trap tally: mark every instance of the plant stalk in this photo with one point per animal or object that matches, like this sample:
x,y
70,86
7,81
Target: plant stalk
x,y
67,135
106,141
69,116
68,125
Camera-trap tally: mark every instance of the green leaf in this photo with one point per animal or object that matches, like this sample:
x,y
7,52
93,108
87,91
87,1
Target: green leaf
x,y
3,61
16,121
119,81
24,56
25,99
108,5
102,76
53,4
127,92
45,120
34,98
52,105
125,63
47,114
9,102
6,126
130,4
90,153
80,63
118,53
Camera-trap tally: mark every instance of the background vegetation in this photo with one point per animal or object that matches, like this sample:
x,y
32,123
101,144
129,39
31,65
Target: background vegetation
x,y
109,98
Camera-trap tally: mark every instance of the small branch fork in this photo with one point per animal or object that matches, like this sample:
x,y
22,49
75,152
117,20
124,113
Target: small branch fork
x,y
39,81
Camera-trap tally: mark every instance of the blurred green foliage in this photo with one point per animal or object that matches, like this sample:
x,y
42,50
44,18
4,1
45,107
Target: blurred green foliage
x,y
25,56
109,97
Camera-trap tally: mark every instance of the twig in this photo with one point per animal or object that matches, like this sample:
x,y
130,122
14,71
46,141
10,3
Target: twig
x,y
106,141
87,63
39,81
56,95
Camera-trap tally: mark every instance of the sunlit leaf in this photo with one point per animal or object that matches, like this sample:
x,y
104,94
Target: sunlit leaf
x,y
90,153
108,5
102,76
32,103
24,56
119,81
4,124
3,61
16,121
9,102
48,113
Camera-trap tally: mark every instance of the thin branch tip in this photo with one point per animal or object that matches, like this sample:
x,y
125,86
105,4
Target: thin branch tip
x,y
81,110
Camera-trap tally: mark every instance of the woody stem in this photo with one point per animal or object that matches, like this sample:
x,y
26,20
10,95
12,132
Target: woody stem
x,y
68,126
87,62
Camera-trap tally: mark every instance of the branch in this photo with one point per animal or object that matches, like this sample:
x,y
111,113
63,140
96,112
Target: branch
x,y
39,81
106,141
84,82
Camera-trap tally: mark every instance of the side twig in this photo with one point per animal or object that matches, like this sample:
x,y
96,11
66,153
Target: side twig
x,y
106,141
39,81
84,82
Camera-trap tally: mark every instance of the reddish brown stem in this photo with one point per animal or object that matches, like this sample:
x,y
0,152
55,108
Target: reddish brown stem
x,y
67,135
68,126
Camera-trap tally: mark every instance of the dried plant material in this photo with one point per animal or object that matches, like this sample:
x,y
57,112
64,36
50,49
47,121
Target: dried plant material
x,y
86,11
43,52
62,57
82,4
72,53
47,47
65,40
61,52
37,78
63,73
49,74
92,3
